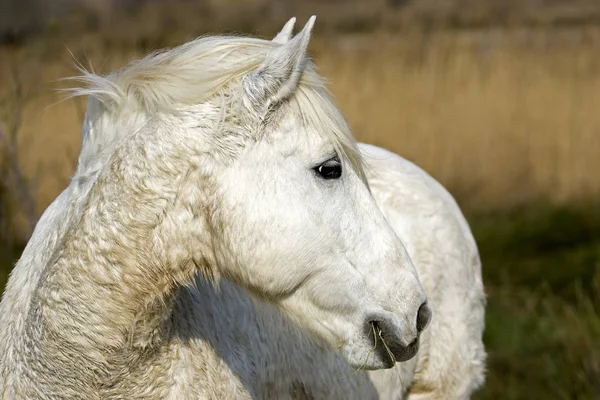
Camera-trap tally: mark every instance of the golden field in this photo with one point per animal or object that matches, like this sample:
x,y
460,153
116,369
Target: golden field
x,y
502,118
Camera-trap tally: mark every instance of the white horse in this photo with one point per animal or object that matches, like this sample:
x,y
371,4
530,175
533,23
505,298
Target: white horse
x,y
219,240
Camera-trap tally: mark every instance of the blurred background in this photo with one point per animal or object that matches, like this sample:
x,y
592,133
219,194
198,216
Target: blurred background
x,y
497,99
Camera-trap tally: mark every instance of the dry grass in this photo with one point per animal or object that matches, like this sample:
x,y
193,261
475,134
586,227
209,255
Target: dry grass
x,y
500,117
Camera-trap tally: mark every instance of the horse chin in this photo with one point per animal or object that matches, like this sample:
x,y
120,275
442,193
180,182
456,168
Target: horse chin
x,y
376,358
377,363
371,362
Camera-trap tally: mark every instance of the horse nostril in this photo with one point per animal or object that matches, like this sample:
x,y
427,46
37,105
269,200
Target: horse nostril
x,y
390,342
423,317
378,332
375,328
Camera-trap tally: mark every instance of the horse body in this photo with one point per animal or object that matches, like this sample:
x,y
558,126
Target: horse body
x,y
135,283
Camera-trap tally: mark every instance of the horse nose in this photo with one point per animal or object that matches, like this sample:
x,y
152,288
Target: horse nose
x,y
423,317
392,343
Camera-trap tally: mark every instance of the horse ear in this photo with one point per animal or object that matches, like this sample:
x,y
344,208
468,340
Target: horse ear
x,y
285,34
277,77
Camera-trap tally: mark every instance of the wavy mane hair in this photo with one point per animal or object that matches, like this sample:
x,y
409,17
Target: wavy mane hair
x,y
203,70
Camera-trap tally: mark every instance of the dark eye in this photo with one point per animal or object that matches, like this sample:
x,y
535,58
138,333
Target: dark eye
x,y
330,169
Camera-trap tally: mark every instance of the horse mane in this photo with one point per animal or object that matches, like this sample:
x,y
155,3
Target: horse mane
x,y
193,73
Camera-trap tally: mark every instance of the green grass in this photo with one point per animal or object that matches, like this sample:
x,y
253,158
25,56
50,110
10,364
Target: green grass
x,y
541,268
541,346
530,246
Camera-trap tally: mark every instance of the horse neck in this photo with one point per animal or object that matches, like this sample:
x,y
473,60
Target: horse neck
x,y
111,282
26,273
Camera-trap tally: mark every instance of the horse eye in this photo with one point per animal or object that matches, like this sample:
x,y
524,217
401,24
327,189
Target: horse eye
x,y
330,169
